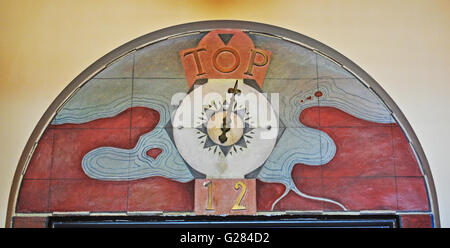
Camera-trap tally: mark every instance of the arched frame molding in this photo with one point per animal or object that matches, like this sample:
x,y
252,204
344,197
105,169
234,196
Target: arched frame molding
x,y
204,26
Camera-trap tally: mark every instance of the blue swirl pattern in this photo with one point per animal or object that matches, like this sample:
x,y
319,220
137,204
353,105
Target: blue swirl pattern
x,y
305,145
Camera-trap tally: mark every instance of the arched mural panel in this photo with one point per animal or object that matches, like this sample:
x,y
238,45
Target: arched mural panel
x,y
279,129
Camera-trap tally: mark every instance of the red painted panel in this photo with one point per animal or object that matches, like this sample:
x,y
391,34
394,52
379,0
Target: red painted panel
x,y
30,222
416,221
144,117
310,117
72,144
159,193
333,117
361,193
266,194
40,163
88,195
405,160
412,194
33,196
361,151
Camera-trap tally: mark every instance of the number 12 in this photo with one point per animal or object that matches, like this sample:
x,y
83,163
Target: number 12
x,y
237,205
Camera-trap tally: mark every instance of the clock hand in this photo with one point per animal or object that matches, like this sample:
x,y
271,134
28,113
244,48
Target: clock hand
x,y
226,120
223,137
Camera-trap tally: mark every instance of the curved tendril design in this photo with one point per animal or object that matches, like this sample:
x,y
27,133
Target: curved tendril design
x,y
298,192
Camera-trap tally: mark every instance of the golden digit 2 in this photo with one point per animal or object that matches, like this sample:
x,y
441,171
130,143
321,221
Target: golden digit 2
x,y
237,204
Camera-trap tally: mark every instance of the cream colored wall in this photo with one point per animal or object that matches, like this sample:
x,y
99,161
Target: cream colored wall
x,y
404,45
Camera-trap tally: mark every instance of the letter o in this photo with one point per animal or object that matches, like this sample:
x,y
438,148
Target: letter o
x,y
236,59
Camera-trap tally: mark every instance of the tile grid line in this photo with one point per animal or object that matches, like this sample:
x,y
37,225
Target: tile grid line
x,y
346,177
131,124
320,137
395,166
51,171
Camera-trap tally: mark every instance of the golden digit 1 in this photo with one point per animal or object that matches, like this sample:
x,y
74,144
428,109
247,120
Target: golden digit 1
x,y
237,205
209,185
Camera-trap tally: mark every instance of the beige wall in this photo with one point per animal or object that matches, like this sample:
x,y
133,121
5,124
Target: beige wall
x,y
404,45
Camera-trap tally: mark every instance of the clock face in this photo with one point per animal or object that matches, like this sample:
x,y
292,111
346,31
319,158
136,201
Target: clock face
x,y
225,128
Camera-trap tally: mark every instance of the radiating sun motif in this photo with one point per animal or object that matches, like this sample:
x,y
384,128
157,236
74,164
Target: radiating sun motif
x,y
225,139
